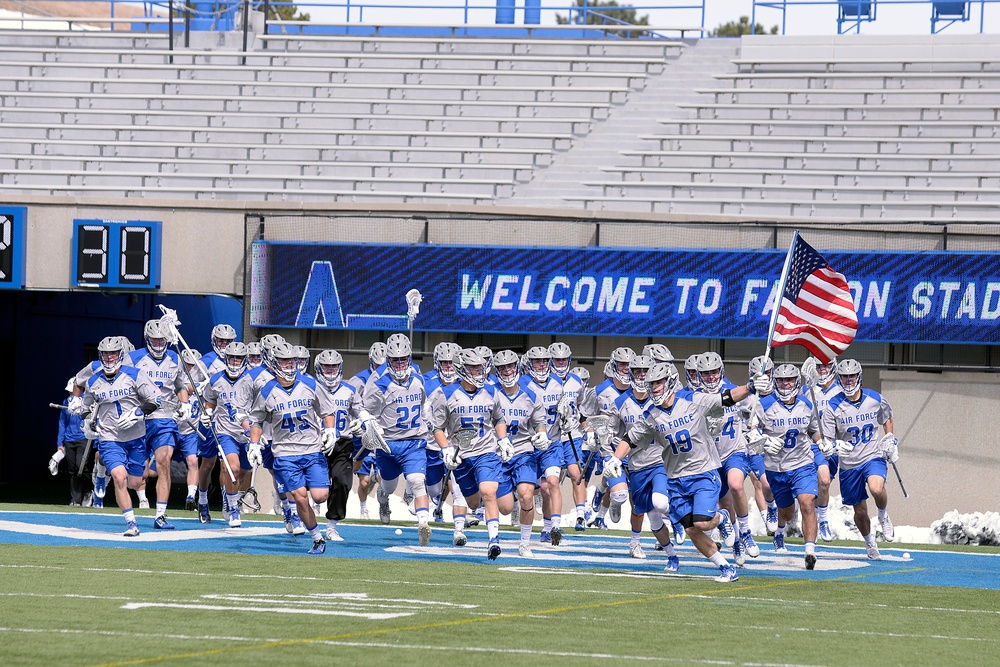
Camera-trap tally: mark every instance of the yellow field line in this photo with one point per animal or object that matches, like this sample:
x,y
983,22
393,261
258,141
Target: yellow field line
x,y
443,624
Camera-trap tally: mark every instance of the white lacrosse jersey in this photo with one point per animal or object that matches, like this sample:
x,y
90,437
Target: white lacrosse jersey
x,y
93,367
457,409
191,425
732,437
127,390
794,424
397,407
548,395
165,374
524,415
628,410
346,406
261,376
858,424
430,385
233,400
358,381
682,431
213,363
295,413
572,387
607,393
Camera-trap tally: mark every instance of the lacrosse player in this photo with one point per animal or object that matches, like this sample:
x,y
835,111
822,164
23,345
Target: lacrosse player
x,y
302,358
732,445
442,375
618,379
118,399
677,421
471,405
571,410
189,442
852,418
824,378
302,423
394,426
788,427
526,423
329,369
209,365
763,497
255,355
233,392
364,466
691,372
71,444
162,367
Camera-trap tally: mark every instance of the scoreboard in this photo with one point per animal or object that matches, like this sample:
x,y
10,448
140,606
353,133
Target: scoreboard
x,y
116,254
13,248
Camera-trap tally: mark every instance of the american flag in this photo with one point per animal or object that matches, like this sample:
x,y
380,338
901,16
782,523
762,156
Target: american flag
x,y
816,311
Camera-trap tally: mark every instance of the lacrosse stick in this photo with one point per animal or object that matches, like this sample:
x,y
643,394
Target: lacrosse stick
x,y
58,406
562,407
413,299
602,429
894,468
171,322
463,438
249,498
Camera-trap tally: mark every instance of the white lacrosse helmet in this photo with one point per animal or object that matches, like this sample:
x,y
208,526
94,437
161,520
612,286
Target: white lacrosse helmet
x,y
399,354
786,381
827,372
376,355
621,357
111,353
155,335
663,382
536,363
70,385
267,345
302,357
254,354
762,365
487,355
711,371
849,373
444,361
127,346
222,336
236,359
286,365
329,368
581,373
507,366
471,367
561,358
638,370
659,353
691,371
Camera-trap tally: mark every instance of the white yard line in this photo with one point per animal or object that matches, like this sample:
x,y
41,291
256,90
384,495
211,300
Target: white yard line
x,y
374,616
132,633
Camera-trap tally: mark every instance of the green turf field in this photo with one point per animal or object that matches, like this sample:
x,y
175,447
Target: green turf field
x,y
122,606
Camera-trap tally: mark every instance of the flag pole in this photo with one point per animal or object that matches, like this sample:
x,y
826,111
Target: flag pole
x,y
781,291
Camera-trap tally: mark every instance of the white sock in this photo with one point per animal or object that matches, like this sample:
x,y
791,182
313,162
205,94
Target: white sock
x,y
423,516
635,537
869,540
718,559
525,533
493,528
810,548
883,513
161,508
603,512
234,501
364,506
316,533
779,531
192,489
546,524
202,497
744,522
555,521
459,522
581,511
128,515
821,512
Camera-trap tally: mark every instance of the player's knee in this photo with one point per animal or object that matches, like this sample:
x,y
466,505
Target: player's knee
x,y
552,471
434,490
655,520
619,497
417,482
389,486
661,503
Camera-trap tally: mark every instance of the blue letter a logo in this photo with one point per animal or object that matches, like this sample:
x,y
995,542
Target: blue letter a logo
x,y
320,307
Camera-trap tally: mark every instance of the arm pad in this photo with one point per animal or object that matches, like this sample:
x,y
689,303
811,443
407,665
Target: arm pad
x,y
150,408
727,399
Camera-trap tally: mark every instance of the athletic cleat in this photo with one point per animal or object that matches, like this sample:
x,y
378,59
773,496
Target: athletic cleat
x,y
726,529
810,561
471,520
143,503
364,513
424,534
779,543
546,537
438,515
408,499
318,548
581,524
524,551
673,564
587,516
771,520
88,499
161,523
716,537
598,523
680,535
493,549
100,486
287,515
556,536
332,535
98,502
739,553
749,545
384,514
131,530
234,519
824,531
615,512
203,515
190,504
297,527
595,503
728,574
888,532
480,515
873,553
635,551
459,539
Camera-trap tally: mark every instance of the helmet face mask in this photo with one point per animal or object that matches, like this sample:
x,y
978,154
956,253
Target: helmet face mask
x,y
156,339
236,359
849,372
710,372
506,364
827,372
302,357
471,368
329,368
536,361
583,374
487,355
286,366
254,355
399,355
111,353
222,336
620,359
663,380
444,361
691,371
638,371
560,358
786,382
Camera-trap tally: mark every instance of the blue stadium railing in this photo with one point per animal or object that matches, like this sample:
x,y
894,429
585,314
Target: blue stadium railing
x,y
851,14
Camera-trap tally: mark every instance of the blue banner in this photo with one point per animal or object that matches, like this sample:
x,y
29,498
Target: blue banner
x,y
946,297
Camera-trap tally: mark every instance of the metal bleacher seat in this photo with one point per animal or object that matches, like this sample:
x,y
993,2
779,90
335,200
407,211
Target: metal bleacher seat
x,y
852,13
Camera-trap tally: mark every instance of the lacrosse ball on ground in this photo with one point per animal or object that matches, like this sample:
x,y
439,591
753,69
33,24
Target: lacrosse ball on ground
x,y
399,531
906,555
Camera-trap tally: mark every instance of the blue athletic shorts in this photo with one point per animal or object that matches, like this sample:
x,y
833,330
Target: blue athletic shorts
x,y
477,469
694,494
207,448
787,486
854,481
757,465
367,466
303,470
830,461
161,433
231,446
132,454
435,467
643,484
188,445
407,457
552,457
522,469
735,461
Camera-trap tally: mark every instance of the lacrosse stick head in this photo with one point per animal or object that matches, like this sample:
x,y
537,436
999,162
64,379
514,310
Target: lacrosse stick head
x,y
169,323
413,299
463,438
602,428
250,501
810,372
